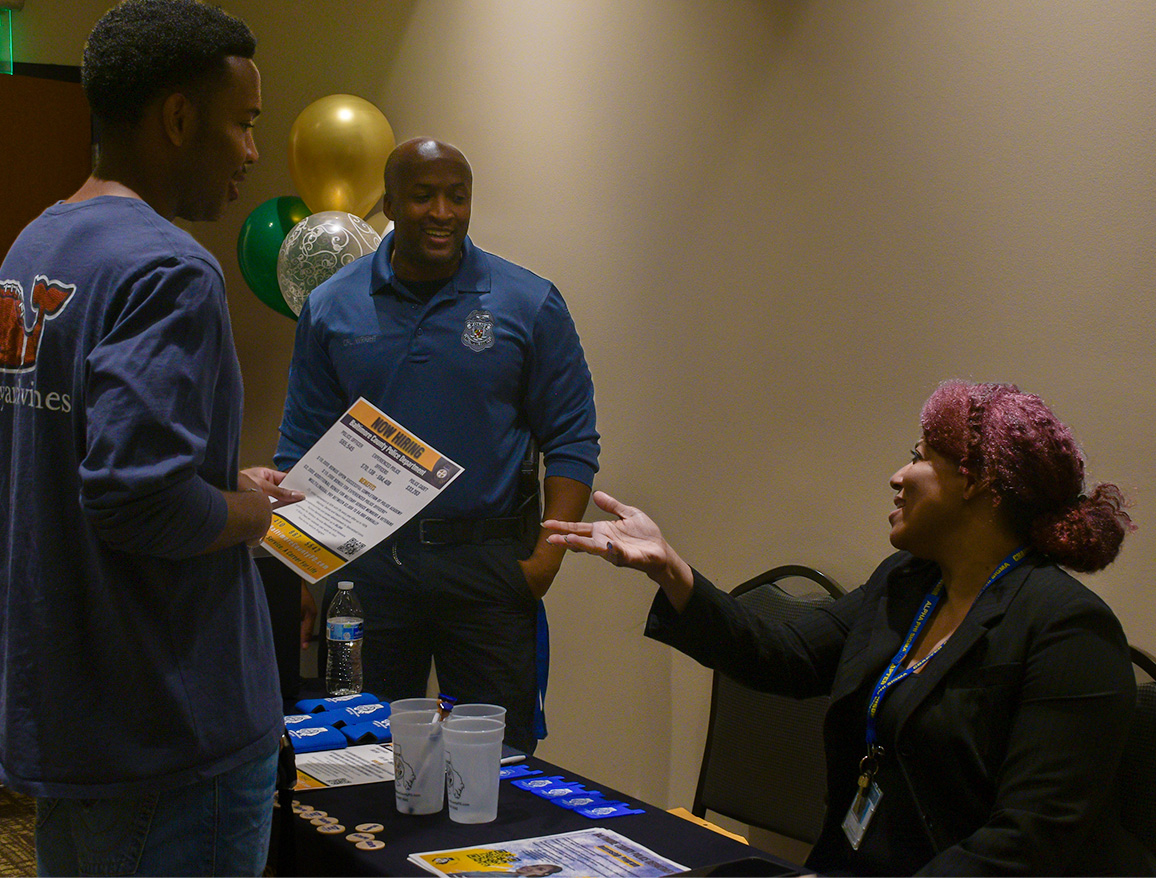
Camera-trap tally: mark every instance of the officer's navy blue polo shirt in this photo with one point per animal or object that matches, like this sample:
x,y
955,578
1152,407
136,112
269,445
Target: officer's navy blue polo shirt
x,y
490,360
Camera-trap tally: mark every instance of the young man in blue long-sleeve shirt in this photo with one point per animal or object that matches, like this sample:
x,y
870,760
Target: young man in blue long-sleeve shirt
x,y
139,700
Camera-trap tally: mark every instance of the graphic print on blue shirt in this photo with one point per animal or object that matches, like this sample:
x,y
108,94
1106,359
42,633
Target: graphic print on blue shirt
x,y
20,339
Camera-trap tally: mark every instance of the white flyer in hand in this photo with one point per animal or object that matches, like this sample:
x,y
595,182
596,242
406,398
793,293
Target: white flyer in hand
x,y
365,478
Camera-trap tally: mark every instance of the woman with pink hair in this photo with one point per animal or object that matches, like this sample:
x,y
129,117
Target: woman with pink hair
x,y
980,696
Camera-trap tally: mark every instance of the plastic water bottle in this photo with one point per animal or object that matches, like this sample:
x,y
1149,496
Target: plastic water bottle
x,y
344,630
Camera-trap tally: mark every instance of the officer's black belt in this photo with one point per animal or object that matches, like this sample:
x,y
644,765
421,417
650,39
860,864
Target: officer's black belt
x,y
457,531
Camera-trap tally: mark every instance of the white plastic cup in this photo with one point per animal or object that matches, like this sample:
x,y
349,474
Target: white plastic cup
x,y
476,711
406,705
473,755
418,761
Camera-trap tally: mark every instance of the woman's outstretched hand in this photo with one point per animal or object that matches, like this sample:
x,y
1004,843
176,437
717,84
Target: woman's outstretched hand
x,y
631,540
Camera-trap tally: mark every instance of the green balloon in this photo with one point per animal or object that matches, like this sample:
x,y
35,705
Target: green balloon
x,y
259,243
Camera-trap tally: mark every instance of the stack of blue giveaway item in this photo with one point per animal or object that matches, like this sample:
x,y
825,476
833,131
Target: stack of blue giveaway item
x,y
569,794
333,723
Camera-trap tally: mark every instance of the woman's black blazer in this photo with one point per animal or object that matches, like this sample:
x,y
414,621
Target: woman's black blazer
x,y
1008,746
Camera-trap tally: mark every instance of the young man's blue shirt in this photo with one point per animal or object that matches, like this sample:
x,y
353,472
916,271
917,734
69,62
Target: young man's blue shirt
x,y
130,660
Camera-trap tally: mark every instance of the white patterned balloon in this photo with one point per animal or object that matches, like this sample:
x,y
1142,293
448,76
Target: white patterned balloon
x,y
316,247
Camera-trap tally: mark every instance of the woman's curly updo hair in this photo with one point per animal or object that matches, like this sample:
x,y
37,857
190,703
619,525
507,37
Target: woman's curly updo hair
x,y
1011,439
140,49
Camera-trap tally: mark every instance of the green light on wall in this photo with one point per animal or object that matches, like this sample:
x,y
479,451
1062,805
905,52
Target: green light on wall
x,y
6,41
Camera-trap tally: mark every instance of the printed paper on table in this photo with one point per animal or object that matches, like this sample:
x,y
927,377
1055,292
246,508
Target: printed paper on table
x,y
587,852
365,763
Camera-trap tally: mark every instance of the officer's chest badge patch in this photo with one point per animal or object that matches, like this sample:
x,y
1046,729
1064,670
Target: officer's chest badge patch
x,y
479,332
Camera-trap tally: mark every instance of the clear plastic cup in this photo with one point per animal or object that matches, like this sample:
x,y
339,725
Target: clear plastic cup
x,y
478,711
406,705
473,755
418,761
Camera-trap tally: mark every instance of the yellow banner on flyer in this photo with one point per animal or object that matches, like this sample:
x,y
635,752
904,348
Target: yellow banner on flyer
x,y
392,433
305,553
472,861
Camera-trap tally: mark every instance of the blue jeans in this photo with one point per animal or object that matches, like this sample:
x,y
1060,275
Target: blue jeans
x,y
218,826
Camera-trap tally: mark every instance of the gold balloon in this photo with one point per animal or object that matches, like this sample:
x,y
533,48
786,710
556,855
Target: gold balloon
x,y
337,151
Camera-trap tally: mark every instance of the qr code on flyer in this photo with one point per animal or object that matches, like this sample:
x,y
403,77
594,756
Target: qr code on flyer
x,y
351,547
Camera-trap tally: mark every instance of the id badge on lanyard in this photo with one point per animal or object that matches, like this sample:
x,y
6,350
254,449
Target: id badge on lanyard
x,y
865,802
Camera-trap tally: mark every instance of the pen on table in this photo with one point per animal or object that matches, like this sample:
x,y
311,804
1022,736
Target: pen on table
x,y
510,760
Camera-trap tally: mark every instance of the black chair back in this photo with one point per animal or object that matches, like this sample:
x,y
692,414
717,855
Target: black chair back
x,y
1138,766
763,764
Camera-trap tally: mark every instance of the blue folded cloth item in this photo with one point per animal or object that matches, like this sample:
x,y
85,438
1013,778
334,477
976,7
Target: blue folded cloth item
x,y
559,791
575,797
555,787
602,810
582,800
306,720
375,731
314,705
533,784
356,714
309,739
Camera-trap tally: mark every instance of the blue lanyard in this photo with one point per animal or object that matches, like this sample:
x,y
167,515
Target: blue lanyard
x,y
895,671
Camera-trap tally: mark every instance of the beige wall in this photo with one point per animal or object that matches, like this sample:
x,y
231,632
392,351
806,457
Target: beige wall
x,y
778,226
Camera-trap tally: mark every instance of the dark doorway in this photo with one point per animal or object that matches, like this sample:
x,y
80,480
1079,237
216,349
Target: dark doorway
x,y
45,144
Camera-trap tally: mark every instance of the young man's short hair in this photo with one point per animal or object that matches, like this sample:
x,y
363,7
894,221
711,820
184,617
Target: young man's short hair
x,y
141,49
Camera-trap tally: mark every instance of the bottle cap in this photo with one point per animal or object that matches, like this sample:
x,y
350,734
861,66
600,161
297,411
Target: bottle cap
x,y
345,585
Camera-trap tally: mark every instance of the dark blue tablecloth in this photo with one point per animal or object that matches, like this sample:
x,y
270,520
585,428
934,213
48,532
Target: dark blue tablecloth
x,y
521,814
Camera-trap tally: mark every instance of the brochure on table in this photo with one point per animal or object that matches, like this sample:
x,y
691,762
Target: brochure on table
x,y
587,852
365,763
365,478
